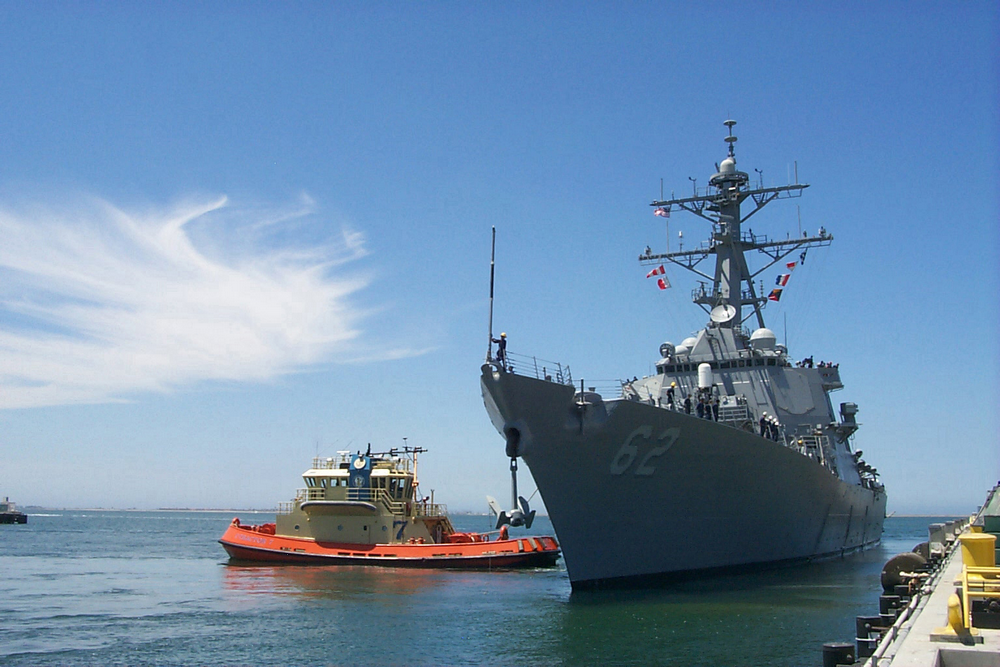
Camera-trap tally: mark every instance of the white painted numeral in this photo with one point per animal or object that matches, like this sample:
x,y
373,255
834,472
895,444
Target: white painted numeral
x,y
626,455
628,452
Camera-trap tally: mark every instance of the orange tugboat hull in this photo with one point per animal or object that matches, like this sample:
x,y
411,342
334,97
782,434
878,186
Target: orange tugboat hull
x,y
260,544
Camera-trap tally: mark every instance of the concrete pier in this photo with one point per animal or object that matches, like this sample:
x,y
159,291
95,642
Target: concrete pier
x,y
921,635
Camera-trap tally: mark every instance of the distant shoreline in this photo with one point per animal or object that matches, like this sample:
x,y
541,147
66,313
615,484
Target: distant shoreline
x,y
273,510
37,508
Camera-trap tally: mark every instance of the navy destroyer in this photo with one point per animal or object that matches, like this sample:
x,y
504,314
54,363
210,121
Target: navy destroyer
x,y
730,457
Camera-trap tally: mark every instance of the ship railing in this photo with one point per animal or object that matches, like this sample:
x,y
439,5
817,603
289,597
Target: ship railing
x,y
815,447
736,415
540,369
331,462
430,509
394,505
343,459
702,294
610,389
381,496
306,495
365,494
736,412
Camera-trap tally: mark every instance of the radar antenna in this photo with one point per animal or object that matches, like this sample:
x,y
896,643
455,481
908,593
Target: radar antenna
x,y
732,282
731,139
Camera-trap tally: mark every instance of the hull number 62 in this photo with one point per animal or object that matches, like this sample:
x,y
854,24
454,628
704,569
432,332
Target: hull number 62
x,y
629,452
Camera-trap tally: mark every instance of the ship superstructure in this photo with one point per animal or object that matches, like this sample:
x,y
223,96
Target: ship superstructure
x,y
730,455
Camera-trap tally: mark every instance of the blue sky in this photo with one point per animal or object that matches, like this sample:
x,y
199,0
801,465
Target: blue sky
x,y
233,235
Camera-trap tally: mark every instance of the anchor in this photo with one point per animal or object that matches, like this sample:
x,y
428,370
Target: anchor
x,y
521,514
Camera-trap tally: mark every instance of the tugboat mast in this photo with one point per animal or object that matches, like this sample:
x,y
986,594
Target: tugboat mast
x,y
732,284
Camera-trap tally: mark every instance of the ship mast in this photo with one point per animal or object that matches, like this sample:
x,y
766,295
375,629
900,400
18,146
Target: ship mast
x,y
720,203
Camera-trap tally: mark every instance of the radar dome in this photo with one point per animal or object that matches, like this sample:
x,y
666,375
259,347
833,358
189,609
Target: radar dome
x,y
762,339
728,166
704,375
689,342
681,350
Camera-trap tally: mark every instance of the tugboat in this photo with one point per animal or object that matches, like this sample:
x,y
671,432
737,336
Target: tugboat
x,y
730,456
366,509
10,514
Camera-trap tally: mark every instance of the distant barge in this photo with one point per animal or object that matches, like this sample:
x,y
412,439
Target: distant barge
x,y
10,514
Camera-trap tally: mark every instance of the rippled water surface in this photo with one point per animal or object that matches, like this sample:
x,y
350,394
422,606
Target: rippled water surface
x,y
133,588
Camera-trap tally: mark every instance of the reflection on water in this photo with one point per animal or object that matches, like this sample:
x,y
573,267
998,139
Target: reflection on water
x,y
331,581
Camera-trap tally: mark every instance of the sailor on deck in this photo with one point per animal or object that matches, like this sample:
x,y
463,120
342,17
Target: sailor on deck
x,y
501,349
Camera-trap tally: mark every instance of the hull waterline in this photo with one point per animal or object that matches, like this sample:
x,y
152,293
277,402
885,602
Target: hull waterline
x,y
249,544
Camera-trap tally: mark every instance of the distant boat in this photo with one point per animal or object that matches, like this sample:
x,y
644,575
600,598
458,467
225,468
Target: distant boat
x,y
366,509
730,456
10,514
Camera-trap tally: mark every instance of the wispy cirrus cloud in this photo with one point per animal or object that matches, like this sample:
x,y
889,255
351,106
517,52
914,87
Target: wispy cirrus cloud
x,y
98,303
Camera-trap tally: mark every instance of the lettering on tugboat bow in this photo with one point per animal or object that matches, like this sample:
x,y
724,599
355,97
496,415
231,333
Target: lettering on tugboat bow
x,y
629,452
252,538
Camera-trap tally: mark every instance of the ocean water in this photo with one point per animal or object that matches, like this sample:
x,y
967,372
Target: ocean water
x,y
144,588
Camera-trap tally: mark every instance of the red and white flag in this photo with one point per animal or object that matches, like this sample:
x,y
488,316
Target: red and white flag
x,y
663,283
791,266
662,212
658,271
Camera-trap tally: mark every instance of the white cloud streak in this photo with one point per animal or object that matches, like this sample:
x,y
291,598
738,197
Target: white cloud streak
x,y
98,304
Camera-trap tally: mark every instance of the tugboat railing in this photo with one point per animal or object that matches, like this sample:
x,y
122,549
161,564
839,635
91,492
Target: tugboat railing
x,y
369,495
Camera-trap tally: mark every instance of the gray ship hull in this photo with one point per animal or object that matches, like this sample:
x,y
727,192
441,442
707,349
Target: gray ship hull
x,y
637,492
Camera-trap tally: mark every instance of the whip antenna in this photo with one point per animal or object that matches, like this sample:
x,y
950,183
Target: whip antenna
x,y
493,252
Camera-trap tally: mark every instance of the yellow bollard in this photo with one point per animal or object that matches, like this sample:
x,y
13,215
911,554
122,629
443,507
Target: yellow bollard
x,y
956,630
978,549
955,617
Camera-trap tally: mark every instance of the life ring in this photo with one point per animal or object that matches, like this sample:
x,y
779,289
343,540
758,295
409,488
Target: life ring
x,y
504,534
